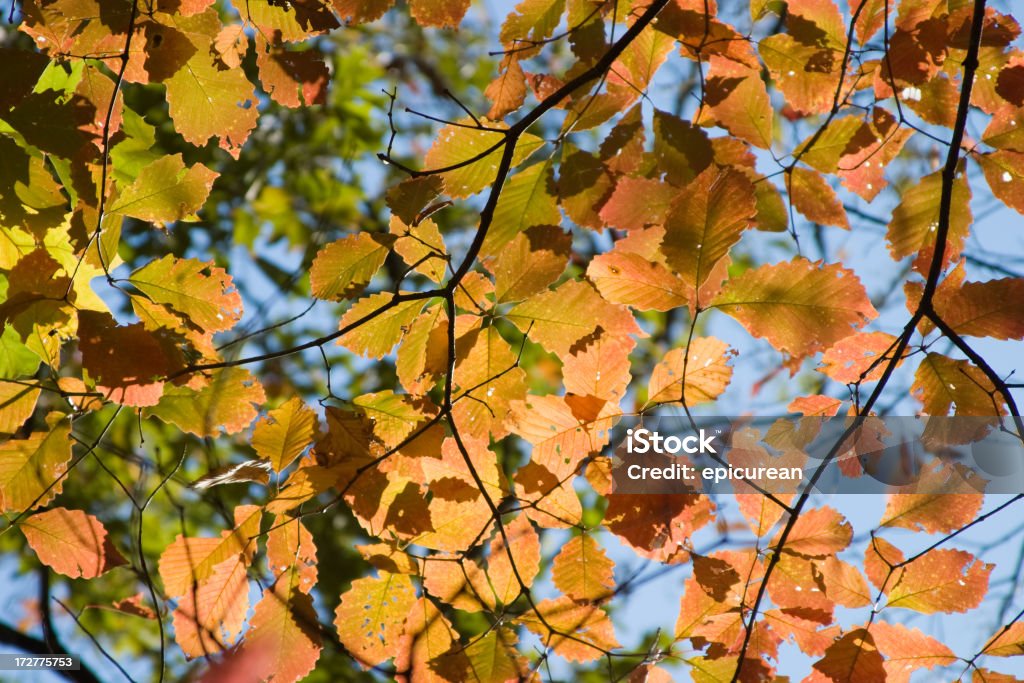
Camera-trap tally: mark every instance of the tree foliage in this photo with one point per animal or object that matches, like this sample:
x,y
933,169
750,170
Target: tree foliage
x,y
317,317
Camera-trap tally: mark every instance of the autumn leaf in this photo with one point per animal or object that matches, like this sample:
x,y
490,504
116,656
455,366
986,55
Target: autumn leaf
x,y
284,433
915,222
292,77
600,369
705,222
737,100
696,374
942,580
372,613
1004,171
32,469
559,318
71,543
17,403
200,291
206,101
210,617
506,92
853,658
165,191
818,532
530,262
947,501
527,200
421,246
589,625
128,362
981,309
657,526
378,322
813,197
465,156
283,625
1008,642
632,280
945,384
226,402
188,561
800,307
850,360
907,650
343,268
583,571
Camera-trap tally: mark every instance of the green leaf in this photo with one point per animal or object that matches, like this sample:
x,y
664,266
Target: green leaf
x,y
198,290
28,467
166,191
460,145
525,201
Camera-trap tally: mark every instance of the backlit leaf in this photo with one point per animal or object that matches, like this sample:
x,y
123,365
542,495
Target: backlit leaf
x,y
165,191
284,629
343,268
31,469
227,402
854,658
284,433
196,289
800,307
699,373
942,580
559,318
387,319
372,614
465,152
71,543
583,571
915,221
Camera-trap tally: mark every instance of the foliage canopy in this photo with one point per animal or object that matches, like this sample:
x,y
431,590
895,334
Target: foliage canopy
x,y
317,315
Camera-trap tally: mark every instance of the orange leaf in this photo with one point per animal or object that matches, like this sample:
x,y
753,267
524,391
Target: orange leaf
x,y
591,629
507,92
211,616
854,658
188,561
699,373
71,543
583,571
657,526
800,307
943,580
284,629
908,650
815,199
915,221
818,532
1008,642
848,360
632,280
560,318
705,221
